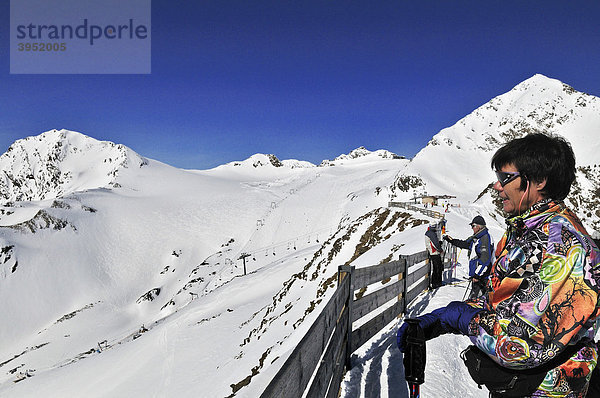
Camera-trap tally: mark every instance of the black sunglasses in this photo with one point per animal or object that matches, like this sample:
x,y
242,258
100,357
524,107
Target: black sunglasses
x,y
504,177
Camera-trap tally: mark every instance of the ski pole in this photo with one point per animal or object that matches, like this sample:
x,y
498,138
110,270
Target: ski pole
x,y
415,391
455,259
414,357
467,289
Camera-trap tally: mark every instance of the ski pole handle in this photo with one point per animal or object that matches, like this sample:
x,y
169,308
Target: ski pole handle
x,y
415,355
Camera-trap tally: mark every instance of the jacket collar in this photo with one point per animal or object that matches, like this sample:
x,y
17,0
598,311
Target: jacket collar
x,y
534,216
479,234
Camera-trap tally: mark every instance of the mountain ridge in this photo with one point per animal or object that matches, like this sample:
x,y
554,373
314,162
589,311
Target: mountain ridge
x,y
59,162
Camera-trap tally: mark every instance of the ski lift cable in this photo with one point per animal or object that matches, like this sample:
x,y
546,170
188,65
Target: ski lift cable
x,y
296,238
290,241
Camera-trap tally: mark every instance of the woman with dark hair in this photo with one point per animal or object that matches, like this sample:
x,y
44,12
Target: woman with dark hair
x,y
535,326
540,159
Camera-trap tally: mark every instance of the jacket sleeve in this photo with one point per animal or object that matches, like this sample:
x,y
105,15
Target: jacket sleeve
x,y
429,245
540,305
463,244
485,252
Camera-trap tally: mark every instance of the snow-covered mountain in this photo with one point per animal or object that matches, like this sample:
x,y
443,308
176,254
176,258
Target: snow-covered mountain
x,y
122,276
141,267
361,155
270,160
539,104
56,163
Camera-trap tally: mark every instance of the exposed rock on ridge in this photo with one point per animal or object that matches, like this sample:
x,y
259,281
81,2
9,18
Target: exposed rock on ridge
x,y
56,163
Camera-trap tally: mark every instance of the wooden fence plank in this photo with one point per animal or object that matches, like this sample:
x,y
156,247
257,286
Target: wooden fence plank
x,y
416,258
416,290
361,335
295,373
372,301
338,372
349,272
363,277
324,375
418,274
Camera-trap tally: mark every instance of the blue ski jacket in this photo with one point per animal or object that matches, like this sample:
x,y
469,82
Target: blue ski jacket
x,y
480,247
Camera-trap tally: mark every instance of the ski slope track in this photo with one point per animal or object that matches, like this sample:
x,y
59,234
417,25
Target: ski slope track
x,y
121,276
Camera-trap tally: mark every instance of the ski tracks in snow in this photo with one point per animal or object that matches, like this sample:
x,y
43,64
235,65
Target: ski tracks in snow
x,y
167,345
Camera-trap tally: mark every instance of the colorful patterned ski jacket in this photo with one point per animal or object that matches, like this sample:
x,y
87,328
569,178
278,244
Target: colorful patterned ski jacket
x,y
544,296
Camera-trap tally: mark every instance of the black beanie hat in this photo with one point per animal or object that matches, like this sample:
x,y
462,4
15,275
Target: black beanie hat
x,y
478,220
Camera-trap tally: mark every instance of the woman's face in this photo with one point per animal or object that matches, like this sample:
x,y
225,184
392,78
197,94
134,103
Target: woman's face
x,y
514,200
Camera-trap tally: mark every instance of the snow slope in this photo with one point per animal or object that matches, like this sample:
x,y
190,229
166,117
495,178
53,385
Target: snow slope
x,y
142,270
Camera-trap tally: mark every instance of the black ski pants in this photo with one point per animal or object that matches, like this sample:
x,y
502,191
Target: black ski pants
x,y
437,268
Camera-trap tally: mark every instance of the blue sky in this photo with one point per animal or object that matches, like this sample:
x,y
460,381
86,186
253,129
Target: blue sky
x,y
307,79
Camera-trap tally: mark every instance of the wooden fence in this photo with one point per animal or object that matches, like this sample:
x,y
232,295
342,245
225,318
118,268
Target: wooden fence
x,y
408,206
317,364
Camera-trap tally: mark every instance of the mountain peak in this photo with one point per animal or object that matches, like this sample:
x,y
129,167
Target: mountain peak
x,y
539,82
260,160
58,162
538,78
536,105
361,154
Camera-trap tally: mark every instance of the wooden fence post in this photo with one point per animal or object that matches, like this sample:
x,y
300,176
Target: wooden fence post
x,y
350,301
404,276
348,270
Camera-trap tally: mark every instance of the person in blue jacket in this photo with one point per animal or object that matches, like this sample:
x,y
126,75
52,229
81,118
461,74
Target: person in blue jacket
x,y
480,247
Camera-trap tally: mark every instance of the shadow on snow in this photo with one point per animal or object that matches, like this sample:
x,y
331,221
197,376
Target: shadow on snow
x,y
368,378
